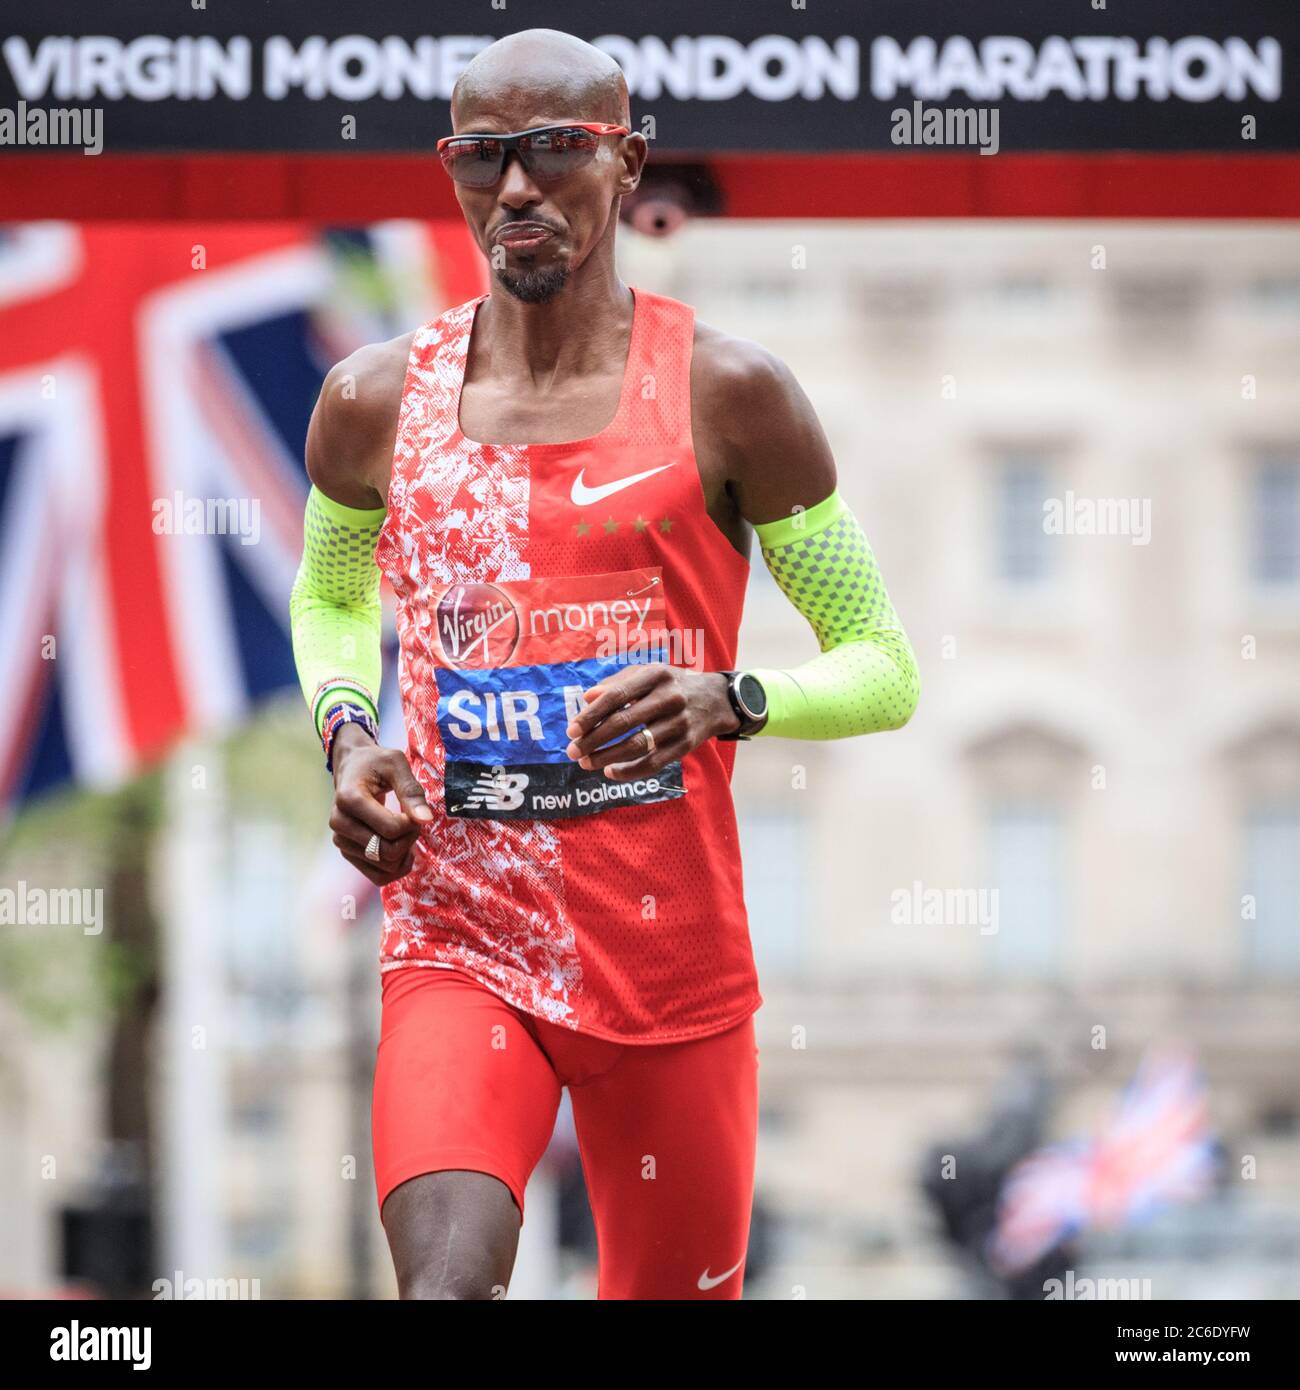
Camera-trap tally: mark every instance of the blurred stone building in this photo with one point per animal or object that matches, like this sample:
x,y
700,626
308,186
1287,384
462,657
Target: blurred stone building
x,y
1109,728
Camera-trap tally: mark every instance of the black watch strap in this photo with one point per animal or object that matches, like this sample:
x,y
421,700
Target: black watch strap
x,y
749,703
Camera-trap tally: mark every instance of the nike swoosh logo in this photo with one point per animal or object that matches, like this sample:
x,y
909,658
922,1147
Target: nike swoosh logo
x,y
711,1281
584,496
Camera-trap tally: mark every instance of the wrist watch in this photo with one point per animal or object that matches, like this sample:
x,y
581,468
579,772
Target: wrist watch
x,y
749,700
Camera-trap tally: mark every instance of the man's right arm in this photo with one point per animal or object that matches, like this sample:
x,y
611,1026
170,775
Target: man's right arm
x,y
334,609
335,612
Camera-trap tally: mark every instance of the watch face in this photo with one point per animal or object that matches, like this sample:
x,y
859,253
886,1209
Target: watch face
x,y
752,696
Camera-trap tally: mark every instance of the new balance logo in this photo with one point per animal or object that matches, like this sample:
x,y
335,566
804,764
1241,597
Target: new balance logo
x,y
497,790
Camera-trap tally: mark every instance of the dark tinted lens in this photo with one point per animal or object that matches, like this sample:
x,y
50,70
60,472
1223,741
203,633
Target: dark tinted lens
x,y
553,154
476,163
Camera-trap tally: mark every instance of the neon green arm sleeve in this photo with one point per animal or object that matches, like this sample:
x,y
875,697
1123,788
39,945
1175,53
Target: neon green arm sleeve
x,y
865,679
334,611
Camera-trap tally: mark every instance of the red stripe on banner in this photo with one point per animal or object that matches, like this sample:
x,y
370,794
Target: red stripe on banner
x,y
122,265
1020,185
315,188
358,188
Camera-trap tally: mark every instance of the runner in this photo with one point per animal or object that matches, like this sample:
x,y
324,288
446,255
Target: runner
x,y
559,480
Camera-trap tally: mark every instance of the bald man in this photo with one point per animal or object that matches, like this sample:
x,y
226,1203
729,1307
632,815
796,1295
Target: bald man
x,y
559,480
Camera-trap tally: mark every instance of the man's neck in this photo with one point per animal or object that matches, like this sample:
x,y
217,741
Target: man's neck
x,y
570,335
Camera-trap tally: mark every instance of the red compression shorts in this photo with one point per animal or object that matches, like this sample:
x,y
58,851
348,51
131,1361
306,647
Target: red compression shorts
x,y
666,1130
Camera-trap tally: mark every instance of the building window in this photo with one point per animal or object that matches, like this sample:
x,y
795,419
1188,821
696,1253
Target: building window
x,y
1273,883
775,852
1275,521
1023,554
1026,853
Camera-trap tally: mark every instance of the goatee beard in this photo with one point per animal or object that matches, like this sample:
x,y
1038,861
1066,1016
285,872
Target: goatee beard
x,y
534,286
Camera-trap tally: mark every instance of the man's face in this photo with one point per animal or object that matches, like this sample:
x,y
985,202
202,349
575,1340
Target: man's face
x,y
536,234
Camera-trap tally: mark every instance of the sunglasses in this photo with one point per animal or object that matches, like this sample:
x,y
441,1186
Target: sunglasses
x,y
549,153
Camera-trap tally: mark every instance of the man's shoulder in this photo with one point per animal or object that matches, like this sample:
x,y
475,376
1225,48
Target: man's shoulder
x,y
750,415
362,394
369,382
736,383
370,378
354,425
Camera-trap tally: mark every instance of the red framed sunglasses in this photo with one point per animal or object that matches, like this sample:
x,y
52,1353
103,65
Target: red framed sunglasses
x,y
549,153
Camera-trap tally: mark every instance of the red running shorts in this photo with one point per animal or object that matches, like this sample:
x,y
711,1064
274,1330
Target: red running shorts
x,y
666,1131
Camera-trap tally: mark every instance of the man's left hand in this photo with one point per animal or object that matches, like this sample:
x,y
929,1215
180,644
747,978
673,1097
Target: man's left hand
x,y
681,709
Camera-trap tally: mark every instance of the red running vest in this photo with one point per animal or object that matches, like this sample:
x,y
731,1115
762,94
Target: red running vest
x,y
523,574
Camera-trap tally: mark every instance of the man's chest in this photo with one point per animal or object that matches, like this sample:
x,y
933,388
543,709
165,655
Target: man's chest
x,y
491,415
496,414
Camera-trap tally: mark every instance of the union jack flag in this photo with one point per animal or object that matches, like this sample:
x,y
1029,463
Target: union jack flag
x,y
1156,1149
147,370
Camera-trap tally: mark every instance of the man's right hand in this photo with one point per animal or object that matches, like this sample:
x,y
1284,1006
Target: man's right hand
x,y
364,774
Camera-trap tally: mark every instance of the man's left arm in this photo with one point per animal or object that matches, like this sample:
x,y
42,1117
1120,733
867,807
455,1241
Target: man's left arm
x,y
865,679
782,475
758,435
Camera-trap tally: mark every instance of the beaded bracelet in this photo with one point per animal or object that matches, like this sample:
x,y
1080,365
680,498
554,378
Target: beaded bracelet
x,y
335,718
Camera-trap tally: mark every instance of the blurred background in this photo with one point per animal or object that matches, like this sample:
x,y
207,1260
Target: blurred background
x,y
1056,918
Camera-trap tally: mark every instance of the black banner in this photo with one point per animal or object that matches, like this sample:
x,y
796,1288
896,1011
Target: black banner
x,y
549,791
778,75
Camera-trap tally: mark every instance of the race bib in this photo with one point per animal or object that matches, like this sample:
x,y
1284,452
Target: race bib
x,y
514,659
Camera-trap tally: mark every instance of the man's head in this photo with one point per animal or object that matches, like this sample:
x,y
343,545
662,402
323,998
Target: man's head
x,y
537,78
